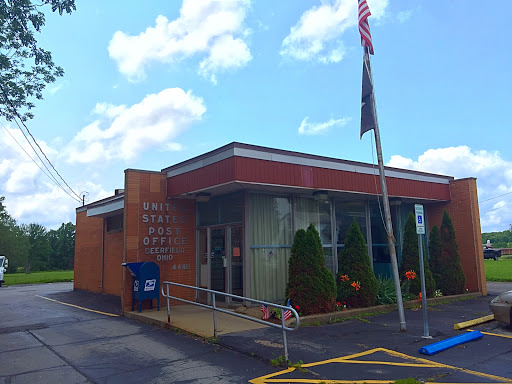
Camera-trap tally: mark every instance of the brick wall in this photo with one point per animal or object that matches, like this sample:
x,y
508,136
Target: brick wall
x,y
112,273
464,212
88,256
158,229
87,252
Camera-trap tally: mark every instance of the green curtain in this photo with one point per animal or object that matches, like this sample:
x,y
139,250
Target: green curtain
x,y
271,236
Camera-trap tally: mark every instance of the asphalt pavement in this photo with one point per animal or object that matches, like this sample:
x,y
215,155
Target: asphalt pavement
x,y
43,340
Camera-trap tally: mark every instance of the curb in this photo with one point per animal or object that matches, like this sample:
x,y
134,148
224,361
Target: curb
x,y
470,323
326,318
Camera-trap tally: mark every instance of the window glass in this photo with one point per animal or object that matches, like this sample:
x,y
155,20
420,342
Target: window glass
x,y
221,210
346,212
317,212
311,211
380,247
270,239
115,223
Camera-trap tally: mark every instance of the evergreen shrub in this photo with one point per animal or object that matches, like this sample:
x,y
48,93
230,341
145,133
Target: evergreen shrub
x,y
452,280
311,285
411,260
434,253
355,271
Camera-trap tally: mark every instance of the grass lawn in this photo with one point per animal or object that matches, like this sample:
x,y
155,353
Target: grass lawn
x,y
500,270
38,277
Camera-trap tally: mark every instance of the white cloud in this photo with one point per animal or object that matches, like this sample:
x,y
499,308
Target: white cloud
x,y
152,123
30,196
209,28
109,110
403,16
493,173
319,128
317,35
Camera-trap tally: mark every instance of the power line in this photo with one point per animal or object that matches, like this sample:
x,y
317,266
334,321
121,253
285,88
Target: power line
x,y
78,198
49,175
24,150
490,210
495,197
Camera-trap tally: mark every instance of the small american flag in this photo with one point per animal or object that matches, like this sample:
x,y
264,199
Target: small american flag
x,y
265,311
287,314
364,27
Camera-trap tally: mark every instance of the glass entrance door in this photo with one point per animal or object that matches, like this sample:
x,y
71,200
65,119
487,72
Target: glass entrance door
x,y
237,286
218,261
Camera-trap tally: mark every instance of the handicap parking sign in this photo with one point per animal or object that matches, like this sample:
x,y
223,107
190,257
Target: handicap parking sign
x,y
150,285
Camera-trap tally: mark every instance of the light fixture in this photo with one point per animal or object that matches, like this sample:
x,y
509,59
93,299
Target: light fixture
x,y
202,197
320,195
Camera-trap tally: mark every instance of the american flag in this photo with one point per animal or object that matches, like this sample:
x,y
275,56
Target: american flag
x,y
364,27
265,311
287,314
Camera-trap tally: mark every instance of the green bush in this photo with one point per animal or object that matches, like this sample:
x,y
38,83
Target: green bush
x,y
386,293
452,280
311,285
434,253
411,260
355,269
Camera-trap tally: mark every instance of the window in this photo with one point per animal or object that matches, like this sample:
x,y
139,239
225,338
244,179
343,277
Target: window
x,y
221,210
115,223
271,239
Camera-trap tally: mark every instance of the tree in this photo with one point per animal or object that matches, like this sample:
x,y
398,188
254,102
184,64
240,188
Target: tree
x,y
40,249
311,285
13,241
62,242
411,260
452,279
355,271
25,67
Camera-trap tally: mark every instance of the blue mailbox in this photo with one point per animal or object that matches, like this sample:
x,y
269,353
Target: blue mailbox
x,y
146,282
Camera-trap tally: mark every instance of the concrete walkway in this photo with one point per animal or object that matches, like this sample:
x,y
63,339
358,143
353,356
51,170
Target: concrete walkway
x,y
194,319
199,321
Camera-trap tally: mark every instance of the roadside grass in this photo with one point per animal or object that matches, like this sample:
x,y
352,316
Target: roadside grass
x,y
500,270
38,277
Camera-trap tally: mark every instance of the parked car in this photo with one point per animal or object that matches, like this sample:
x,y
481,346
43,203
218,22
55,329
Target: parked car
x,y
501,306
491,253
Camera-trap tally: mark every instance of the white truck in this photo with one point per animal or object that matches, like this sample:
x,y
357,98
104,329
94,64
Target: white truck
x,y
4,263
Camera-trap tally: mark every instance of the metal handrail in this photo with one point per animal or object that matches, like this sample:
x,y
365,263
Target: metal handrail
x,y
216,309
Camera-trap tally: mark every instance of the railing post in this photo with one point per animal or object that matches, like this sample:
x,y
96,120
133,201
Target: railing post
x,y
285,342
168,305
214,315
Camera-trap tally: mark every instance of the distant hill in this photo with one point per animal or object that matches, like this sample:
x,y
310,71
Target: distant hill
x,y
498,239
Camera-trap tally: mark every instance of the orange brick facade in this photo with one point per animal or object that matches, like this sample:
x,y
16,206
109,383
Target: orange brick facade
x,y
95,272
464,212
154,229
160,230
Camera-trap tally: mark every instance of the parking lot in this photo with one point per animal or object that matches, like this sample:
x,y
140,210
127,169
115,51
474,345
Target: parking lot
x,y
43,340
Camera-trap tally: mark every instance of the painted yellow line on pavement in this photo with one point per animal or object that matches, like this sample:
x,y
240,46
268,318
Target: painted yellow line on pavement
x,y
420,363
77,306
470,323
492,334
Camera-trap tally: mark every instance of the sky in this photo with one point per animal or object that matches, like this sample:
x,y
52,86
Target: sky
x,y
150,84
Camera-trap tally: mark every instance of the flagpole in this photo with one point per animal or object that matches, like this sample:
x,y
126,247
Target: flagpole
x,y
385,200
